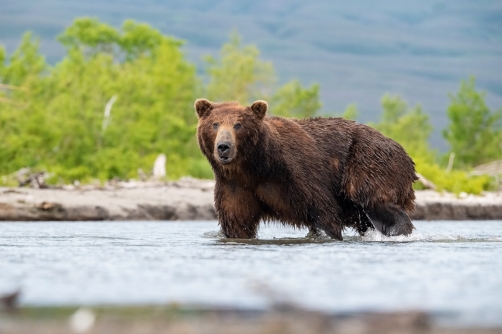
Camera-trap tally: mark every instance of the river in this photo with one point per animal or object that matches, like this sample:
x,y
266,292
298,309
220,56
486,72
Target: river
x,y
450,269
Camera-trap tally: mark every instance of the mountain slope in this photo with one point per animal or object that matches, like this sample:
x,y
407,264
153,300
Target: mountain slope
x,y
356,50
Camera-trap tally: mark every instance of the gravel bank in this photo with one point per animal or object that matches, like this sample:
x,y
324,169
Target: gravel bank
x,y
190,199
177,319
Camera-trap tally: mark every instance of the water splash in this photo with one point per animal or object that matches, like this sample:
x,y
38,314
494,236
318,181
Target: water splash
x,y
348,236
375,235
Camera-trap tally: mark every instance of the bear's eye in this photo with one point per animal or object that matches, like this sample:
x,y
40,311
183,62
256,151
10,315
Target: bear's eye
x,y
215,126
237,126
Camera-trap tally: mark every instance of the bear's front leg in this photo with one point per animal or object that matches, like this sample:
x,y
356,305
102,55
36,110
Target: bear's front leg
x,y
330,222
314,233
238,211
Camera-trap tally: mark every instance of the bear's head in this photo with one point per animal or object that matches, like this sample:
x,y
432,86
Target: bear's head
x,y
225,129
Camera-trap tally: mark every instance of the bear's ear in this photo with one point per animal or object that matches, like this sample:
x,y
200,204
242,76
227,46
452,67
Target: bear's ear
x,y
260,108
203,107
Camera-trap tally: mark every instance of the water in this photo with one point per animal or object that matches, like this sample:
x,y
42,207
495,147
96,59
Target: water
x,y
452,269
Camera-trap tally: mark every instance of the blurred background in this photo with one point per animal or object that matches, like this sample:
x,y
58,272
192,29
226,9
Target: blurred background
x,y
95,91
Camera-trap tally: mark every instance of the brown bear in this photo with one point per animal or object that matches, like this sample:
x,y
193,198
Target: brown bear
x,y
320,173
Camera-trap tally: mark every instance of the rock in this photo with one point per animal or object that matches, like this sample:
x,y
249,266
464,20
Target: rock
x,y
122,201
443,206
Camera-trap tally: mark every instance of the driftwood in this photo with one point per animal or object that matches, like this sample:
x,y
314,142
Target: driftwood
x,y
493,168
10,101
450,162
426,183
11,87
25,176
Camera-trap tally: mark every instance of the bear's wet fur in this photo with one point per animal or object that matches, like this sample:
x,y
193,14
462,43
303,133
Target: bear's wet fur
x,y
320,173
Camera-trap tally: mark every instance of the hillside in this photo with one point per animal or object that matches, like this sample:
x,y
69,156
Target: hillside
x,y
356,50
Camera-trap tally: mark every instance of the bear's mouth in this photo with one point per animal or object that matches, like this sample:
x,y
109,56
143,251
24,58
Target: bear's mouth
x,y
225,160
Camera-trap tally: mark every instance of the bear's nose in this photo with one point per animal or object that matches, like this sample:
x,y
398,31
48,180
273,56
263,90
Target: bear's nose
x,y
223,148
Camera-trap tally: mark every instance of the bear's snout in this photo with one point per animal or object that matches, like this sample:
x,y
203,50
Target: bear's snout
x,y
225,148
225,151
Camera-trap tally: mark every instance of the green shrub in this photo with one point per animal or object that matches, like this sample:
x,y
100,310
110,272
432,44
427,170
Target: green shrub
x,y
54,118
201,169
454,181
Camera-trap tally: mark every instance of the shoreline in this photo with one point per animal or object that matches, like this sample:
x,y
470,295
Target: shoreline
x,y
190,199
175,318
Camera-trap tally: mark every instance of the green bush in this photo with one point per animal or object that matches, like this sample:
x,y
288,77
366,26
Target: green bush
x,y
56,119
454,181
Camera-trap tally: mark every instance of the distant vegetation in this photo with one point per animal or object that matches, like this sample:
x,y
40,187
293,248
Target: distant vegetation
x,y
356,53
54,119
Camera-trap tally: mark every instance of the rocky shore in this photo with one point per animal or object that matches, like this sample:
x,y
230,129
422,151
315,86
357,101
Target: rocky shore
x,y
190,199
180,319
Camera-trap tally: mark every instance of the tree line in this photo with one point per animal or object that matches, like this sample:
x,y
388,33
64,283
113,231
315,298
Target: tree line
x,y
119,97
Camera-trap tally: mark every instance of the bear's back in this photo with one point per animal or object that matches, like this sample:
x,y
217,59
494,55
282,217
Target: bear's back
x,y
370,166
338,135
333,136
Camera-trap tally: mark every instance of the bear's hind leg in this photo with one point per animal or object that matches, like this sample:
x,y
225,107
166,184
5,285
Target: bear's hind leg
x,y
331,225
328,221
355,217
